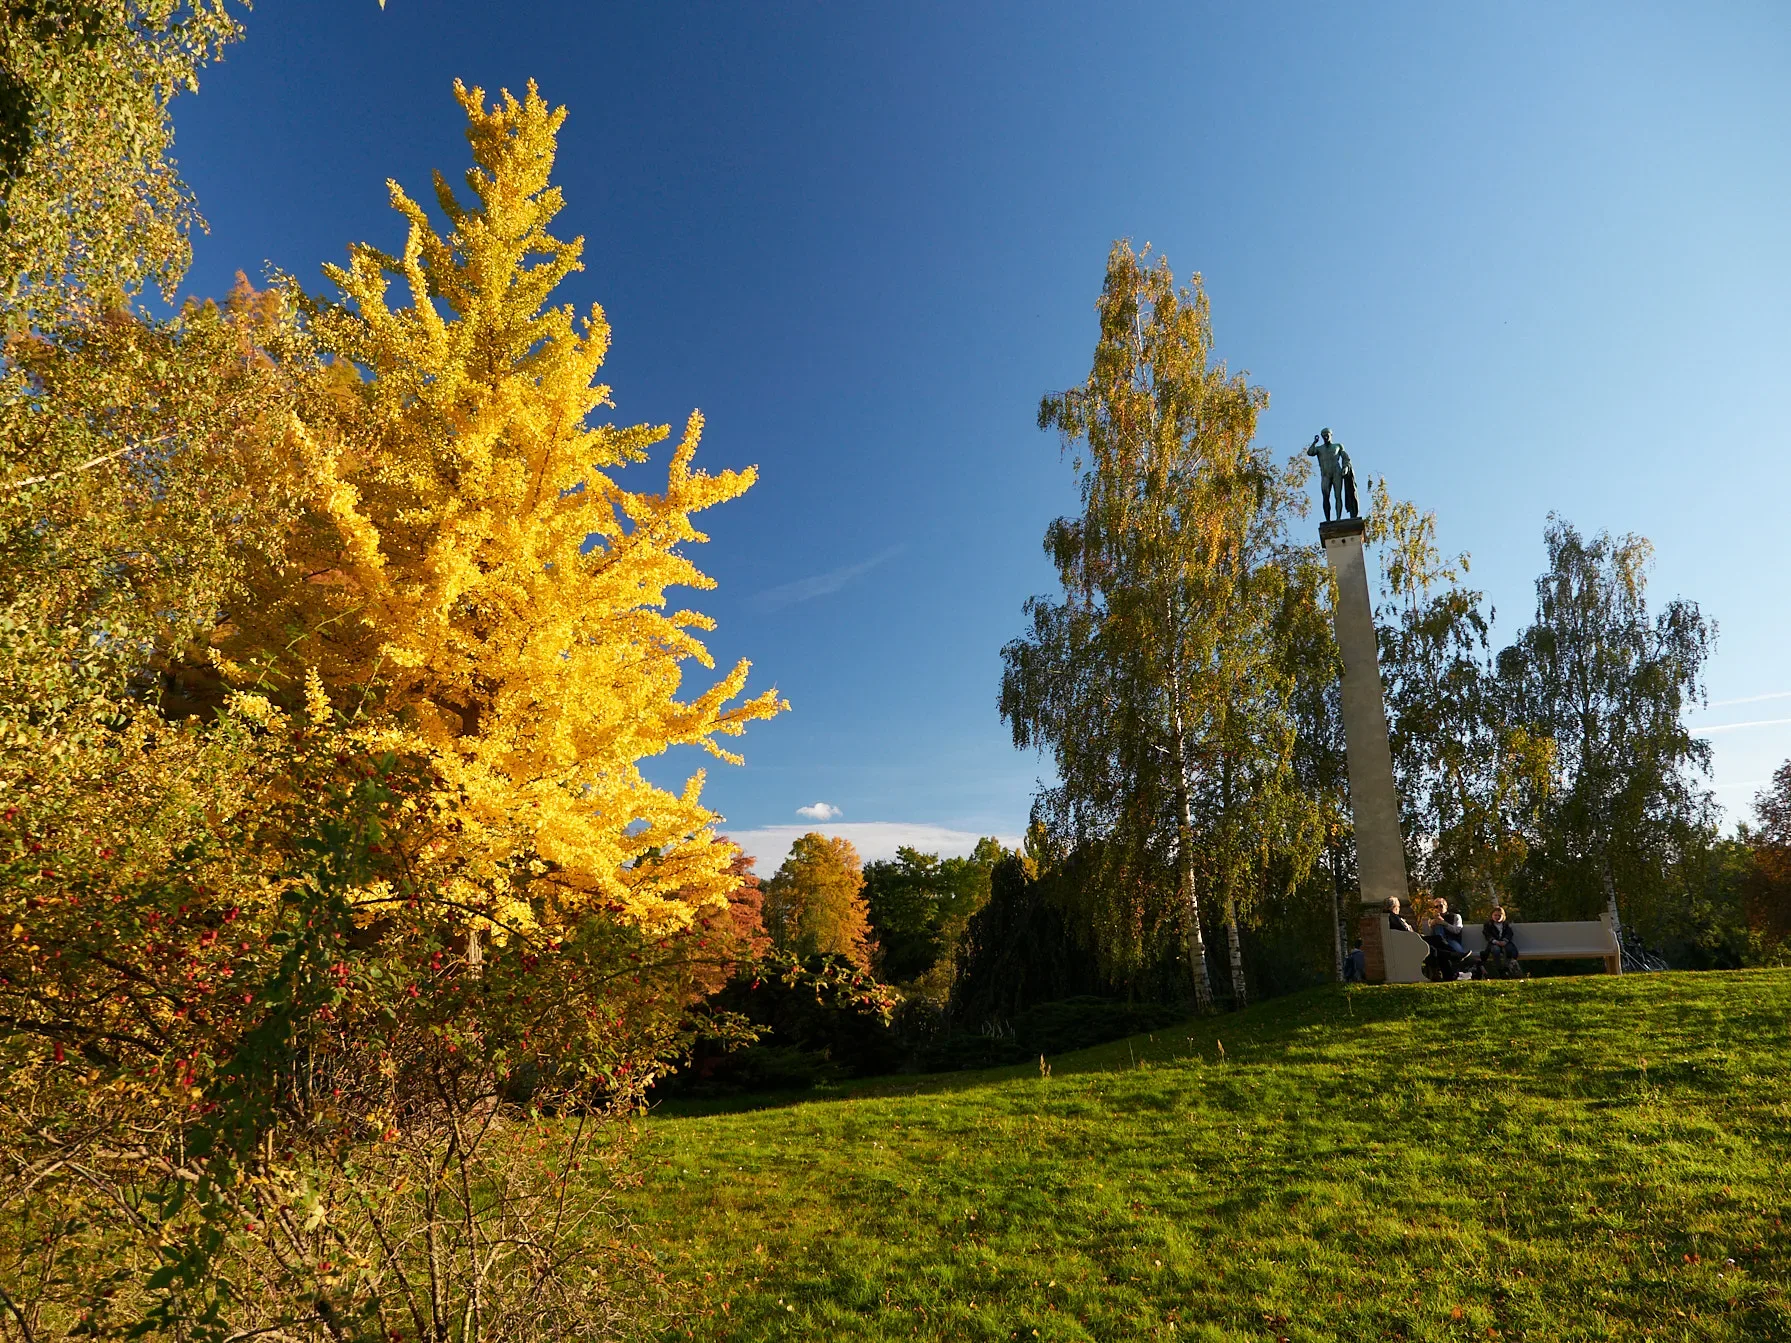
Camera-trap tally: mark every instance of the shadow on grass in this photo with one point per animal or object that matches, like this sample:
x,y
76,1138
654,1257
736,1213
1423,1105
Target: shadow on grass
x,y
1257,1033
1589,1022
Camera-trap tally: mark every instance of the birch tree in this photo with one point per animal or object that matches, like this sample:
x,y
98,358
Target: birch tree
x,y
92,208
1162,681
1472,784
1609,682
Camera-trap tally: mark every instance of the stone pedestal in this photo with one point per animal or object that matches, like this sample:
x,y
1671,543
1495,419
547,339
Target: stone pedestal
x,y
1380,850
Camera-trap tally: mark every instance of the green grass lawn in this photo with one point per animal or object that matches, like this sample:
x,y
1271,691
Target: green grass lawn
x,y
1583,1158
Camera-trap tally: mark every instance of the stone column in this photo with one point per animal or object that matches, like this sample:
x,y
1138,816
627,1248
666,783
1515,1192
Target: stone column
x,y
1380,850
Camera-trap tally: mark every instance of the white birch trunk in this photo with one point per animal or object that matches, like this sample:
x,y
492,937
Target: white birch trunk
x,y
1184,856
1239,996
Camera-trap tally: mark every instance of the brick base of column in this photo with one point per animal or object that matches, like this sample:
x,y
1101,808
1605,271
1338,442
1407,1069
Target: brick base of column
x,y
1374,955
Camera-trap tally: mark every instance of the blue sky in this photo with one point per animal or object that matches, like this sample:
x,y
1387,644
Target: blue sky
x,y
1520,259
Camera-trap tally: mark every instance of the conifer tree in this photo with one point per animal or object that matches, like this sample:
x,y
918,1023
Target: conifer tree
x,y
473,570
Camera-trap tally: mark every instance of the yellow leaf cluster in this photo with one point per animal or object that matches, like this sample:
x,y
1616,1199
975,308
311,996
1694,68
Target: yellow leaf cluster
x,y
473,571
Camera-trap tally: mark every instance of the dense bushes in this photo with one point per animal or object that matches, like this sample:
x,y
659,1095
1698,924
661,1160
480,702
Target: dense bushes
x,y
238,994
789,1021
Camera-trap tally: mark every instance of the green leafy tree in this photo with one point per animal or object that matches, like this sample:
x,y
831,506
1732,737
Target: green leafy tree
x,y
93,207
1021,948
1608,682
133,496
1162,682
918,904
127,512
814,903
1471,783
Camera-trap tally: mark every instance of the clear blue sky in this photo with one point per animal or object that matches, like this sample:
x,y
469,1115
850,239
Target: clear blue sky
x,y
1520,259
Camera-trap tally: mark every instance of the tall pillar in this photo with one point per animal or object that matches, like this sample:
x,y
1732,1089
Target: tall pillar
x,y
1380,851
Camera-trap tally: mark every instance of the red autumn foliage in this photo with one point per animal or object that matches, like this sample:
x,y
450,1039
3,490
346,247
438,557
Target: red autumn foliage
x,y
738,933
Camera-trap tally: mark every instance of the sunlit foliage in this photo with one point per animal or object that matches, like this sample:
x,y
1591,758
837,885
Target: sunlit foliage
x,y
91,206
472,568
814,903
1162,682
1472,783
1609,682
333,645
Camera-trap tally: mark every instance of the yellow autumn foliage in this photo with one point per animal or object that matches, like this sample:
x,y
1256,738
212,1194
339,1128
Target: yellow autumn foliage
x,y
473,578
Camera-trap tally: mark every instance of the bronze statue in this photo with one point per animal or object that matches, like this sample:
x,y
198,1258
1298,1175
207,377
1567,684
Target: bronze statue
x,y
1336,475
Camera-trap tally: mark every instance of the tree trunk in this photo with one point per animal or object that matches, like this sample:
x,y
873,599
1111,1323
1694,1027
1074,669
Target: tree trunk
x,y
1610,889
1239,997
1184,858
1336,913
1604,865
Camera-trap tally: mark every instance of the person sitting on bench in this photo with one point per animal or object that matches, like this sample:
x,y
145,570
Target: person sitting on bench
x,y
1500,957
1447,954
1393,916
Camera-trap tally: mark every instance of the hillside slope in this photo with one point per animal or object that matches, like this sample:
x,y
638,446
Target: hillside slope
x,y
1564,1159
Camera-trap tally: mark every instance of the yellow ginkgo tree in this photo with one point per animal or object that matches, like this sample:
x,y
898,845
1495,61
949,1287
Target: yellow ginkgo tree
x,y
475,580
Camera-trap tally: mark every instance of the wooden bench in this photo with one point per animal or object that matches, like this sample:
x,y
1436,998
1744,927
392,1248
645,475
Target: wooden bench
x,y
1402,954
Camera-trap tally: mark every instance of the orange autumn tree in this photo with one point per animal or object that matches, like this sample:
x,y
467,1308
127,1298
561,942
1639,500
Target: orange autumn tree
x,y
474,578
814,903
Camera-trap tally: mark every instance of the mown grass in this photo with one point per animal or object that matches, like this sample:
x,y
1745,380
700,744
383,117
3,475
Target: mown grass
x,y
1551,1160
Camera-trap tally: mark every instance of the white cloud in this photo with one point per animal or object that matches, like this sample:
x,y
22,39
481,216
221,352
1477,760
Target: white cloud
x,y
821,811
874,840
819,585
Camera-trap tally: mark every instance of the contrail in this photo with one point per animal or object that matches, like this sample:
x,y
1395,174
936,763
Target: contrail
x,y
1731,727
804,589
1750,699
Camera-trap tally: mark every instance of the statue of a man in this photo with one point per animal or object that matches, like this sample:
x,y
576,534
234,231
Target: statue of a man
x,y
1336,475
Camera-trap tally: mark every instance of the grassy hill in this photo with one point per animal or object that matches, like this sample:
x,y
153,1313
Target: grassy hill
x,y
1583,1158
